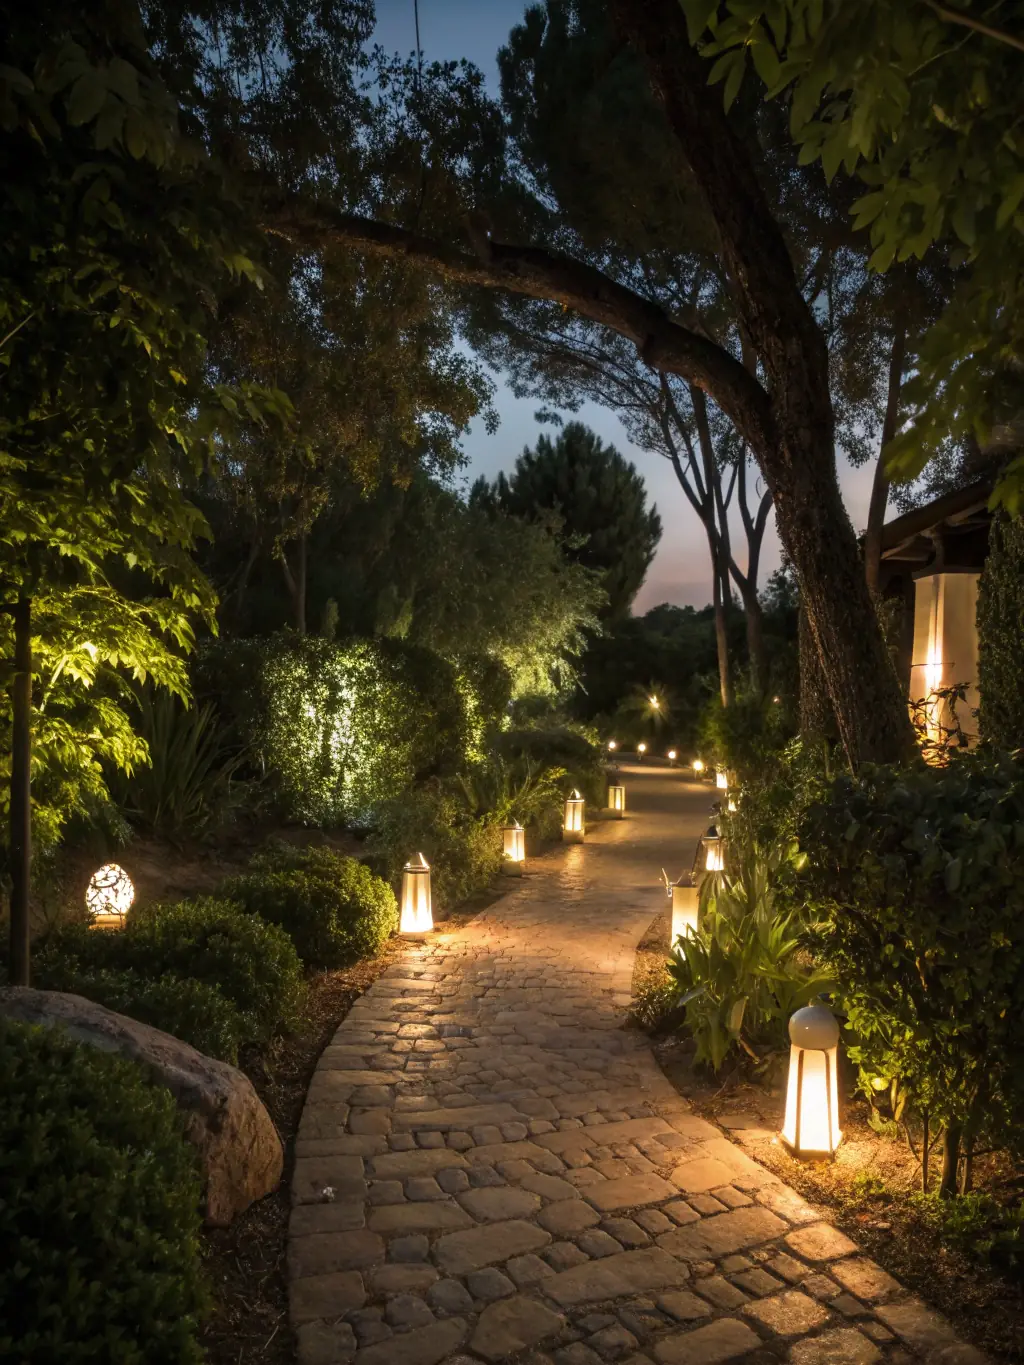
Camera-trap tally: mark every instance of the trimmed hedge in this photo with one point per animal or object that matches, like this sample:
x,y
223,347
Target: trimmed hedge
x,y
99,1221
333,908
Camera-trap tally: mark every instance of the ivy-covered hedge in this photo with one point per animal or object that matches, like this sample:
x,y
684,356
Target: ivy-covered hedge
x,y
99,1199
333,908
341,728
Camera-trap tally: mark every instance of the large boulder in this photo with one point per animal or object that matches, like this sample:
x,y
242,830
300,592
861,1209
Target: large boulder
x,y
225,1120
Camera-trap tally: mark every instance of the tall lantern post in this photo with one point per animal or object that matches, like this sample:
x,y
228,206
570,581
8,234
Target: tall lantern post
x,y
417,911
513,839
617,800
574,821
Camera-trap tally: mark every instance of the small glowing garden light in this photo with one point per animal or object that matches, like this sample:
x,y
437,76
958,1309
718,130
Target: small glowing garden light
x,y
685,897
641,749
721,779
811,1128
417,913
574,824
712,850
514,848
109,896
698,766
672,756
612,745
617,800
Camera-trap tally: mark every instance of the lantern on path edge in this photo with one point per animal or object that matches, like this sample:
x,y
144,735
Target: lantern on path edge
x,y
617,800
698,766
685,897
811,1127
417,913
109,896
513,838
711,850
721,779
641,749
672,756
573,822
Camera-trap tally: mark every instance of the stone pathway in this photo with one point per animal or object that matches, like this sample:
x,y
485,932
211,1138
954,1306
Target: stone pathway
x,y
489,1168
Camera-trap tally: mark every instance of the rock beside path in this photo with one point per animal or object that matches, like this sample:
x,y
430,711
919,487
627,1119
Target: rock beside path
x,y
225,1121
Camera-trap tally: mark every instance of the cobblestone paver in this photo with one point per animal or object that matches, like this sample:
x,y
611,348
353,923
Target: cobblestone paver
x,y
490,1168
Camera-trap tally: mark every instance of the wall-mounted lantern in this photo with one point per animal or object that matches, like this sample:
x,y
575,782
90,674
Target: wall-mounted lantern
x,y
574,822
109,896
811,1128
417,913
513,839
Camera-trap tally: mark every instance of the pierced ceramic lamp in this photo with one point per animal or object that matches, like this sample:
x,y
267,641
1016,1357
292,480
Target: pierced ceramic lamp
x,y
811,1128
617,800
574,823
417,913
514,848
109,896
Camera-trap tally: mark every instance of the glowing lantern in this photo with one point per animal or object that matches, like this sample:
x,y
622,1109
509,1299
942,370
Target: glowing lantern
x,y
109,896
672,756
617,801
573,825
712,850
612,745
698,766
721,779
641,749
811,1128
417,915
514,839
685,898
945,649
655,703
730,805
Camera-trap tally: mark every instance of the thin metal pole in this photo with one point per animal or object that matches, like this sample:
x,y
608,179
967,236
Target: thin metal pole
x,y
21,795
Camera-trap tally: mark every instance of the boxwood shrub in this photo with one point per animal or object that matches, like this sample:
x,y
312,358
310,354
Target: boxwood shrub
x,y
333,907
99,1222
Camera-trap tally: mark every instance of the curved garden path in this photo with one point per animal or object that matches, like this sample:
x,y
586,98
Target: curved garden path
x,y
490,1168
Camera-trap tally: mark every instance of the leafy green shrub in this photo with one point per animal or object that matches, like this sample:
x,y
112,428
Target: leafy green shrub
x,y
464,853
501,791
253,964
572,748
1000,612
99,1198
918,874
194,1011
979,1227
745,971
187,787
333,908
342,728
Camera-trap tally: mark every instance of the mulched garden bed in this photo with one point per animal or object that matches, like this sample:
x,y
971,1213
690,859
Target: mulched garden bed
x,y
867,1191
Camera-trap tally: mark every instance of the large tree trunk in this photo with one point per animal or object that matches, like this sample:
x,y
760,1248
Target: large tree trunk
x,y
21,793
721,635
797,457
816,719
295,581
880,483
755,636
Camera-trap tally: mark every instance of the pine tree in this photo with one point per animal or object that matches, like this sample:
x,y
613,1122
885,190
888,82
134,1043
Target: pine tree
x,y
1000,615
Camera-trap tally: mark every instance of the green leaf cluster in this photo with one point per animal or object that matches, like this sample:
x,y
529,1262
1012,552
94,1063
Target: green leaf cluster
x,y
99,1199
333,908
999,616
917,877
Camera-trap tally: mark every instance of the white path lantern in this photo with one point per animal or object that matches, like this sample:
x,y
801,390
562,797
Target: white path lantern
x,y
712,850
641,749
698,766
685,901
109,896
672,756
574,823
721,779
617,800
612,745
514,848
811,1128
417,913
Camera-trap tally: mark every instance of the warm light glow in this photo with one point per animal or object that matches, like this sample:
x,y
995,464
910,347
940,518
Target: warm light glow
x,y
617,800
721,779
685,899
417,914
776,700
714,852
672,755
641,748
730,806
655,703
574,825
109,895
811,1127
698,765
612,744
932,682
514,847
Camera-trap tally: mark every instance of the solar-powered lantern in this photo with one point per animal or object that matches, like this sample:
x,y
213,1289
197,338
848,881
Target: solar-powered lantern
x,y
109,896
641,749
417,914
685,897
711,851
721,779
672,756
514,848
698,766
573,823
617,800
811,1128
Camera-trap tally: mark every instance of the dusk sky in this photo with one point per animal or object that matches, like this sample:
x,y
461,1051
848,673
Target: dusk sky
x,y
475,29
